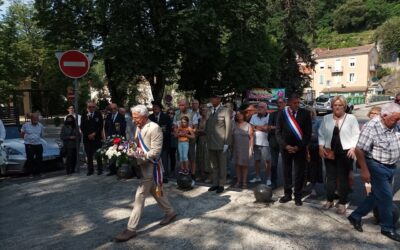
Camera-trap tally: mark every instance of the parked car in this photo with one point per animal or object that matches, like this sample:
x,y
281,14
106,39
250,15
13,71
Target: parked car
x,y
15,149
323,105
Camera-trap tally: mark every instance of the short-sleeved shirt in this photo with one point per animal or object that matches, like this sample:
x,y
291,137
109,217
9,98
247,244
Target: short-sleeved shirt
x,y
379,142
260,137
186,131
32,133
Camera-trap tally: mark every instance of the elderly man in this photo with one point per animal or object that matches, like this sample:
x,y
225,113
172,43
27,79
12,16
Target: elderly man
x,y
293,133
262,154
114,124
184,111
219,135
377,151
151,135
92,127
32,132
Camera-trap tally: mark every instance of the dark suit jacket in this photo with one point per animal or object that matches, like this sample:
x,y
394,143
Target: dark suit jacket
x,y
272,121
110,128
284,134
166,125
90,125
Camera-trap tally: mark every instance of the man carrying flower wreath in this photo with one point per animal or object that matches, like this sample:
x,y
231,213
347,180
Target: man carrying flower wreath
x,y
149,138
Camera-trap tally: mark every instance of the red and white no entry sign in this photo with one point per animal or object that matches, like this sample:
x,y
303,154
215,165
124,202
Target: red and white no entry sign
x,y
74,63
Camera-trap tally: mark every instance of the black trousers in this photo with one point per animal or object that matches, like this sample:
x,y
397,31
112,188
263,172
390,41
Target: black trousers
x,y
299,161
34,158
172,158
71,160
90,150
274,164
337,176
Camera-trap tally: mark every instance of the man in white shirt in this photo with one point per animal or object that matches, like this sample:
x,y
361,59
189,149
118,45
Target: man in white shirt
x,y
32,132
262,154
71,111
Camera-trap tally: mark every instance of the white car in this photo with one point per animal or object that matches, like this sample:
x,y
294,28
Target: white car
x,y
15,150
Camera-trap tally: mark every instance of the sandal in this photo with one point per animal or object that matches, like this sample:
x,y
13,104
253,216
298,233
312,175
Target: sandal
x,y
327,205
341,209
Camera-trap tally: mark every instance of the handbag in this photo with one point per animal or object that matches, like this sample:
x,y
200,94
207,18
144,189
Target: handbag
x,y
330,153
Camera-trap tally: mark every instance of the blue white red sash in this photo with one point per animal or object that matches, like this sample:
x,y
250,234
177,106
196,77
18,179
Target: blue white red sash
x,y
158,167
293,125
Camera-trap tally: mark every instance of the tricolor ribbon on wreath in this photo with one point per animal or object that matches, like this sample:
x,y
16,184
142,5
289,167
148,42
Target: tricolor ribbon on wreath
x,y
158,167
293,125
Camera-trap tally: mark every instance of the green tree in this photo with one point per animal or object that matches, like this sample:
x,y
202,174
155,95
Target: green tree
x,y
292,23
388,36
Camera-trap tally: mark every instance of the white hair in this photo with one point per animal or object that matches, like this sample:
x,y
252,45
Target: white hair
x,y
141,110
390,109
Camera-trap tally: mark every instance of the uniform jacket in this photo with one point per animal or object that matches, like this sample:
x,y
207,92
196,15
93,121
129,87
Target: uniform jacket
x,y
110,128
284,134
165,123
92,124
219,129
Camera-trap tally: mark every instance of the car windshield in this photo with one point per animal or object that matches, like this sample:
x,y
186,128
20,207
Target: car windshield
x,y
12,132
322,99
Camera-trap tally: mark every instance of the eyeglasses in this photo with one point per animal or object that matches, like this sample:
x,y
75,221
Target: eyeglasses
x,y
171,113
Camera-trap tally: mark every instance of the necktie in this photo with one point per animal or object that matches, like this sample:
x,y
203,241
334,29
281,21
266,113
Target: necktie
x,y
113,117
294,114
215,110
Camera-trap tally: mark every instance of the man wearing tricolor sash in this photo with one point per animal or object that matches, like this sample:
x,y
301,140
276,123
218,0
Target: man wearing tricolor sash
x,y
149,139
293,133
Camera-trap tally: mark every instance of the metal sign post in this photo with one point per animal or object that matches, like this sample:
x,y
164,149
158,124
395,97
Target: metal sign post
x,y
76,94
75,64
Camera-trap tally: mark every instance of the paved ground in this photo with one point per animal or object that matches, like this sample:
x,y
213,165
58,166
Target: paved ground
x,y
79,212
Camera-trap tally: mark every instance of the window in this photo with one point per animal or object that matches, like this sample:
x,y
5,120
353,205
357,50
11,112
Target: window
x,y
337,79
352,62
352,77
321,65
321,79
338,65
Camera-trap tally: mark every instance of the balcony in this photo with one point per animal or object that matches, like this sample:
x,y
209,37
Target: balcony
x,y
338,69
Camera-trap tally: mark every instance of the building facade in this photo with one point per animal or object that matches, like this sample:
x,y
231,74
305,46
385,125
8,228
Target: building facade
x,y
346,71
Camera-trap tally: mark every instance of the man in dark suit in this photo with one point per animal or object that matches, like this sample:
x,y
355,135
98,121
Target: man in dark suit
x,y
165,123
92,127
273,143
293,133
115,124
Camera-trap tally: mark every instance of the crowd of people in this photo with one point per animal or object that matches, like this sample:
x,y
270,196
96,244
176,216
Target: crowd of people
x,y
211,138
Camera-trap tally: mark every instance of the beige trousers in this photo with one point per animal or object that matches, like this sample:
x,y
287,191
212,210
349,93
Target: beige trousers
x,y
146,186
218,167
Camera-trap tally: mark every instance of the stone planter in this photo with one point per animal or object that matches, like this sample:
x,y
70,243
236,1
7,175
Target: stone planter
x,y
125,171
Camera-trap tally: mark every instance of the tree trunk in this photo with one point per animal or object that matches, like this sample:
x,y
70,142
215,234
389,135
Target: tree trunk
x,y
157,84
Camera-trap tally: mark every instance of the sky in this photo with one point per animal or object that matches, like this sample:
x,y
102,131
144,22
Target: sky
x,y
4,7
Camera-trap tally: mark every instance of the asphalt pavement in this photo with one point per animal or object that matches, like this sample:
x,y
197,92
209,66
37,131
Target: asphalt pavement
x,y
80,212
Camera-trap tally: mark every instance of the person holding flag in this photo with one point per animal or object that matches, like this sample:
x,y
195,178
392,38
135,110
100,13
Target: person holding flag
x,y
293,133
149,139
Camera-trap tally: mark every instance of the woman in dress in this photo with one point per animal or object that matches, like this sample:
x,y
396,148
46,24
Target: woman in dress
x,y
337,138
242,148
201,146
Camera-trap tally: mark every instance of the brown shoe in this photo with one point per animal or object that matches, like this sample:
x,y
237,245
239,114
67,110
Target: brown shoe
x,y
125,235
167,219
